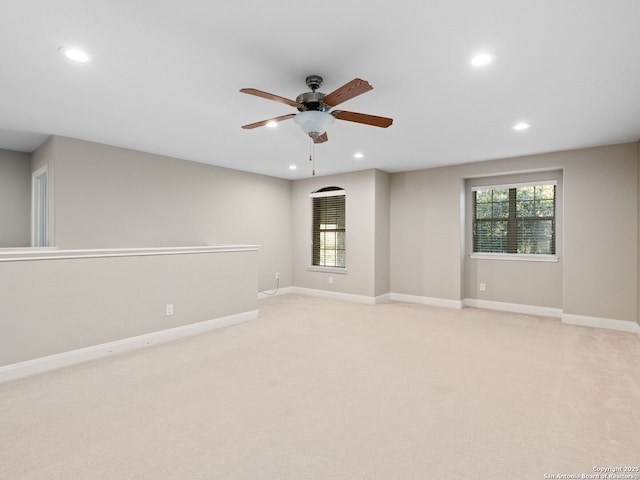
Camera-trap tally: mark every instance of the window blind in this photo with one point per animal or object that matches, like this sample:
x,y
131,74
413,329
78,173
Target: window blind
x,y
515,219
329,227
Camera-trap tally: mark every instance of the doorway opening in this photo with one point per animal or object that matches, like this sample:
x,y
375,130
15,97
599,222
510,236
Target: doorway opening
x,y
40,208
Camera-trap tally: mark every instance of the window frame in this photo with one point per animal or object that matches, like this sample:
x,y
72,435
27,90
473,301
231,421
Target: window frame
x,y
512,219
316,230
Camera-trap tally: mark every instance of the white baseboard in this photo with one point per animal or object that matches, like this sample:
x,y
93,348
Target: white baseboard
x,y
581,320
597,322
386,298
347,297
569,319
435,302
275,293
52,362
513,307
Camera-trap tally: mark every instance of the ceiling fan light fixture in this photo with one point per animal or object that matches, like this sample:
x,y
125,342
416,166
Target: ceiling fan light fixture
x,y
313,122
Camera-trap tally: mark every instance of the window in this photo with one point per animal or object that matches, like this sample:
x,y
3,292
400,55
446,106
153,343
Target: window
x,y
515,219
329,227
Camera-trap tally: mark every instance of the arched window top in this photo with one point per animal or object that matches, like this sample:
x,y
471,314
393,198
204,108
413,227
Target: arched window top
x,y
328,192
327,189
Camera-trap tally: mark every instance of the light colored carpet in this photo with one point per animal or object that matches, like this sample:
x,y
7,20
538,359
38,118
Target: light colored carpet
x,y
322,389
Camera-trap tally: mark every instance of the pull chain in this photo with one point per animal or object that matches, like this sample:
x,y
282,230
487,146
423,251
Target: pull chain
x,y
312,156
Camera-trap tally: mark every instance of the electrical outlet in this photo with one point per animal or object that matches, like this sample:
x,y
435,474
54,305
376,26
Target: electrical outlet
x,y
483,287
330,280
169,309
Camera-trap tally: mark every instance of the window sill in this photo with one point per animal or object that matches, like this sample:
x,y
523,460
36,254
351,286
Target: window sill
x,y
316,268
515,257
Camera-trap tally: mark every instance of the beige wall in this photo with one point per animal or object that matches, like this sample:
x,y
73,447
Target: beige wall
x,y
407,249
54,306
15,199
382,233
599,265
366,256
425,233
406,232
518,281
109,197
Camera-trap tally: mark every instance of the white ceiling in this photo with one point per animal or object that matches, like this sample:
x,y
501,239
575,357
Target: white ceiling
x,y
164,77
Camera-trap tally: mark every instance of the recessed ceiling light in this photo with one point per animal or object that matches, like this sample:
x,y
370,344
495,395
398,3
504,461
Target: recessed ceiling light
x,y
482,59
272,124
74,54
522,126
358,155
293,167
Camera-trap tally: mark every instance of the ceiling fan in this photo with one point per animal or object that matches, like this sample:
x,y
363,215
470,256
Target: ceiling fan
x,y
314,116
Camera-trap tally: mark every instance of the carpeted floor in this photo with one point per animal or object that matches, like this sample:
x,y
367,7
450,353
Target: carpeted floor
x,y
322,389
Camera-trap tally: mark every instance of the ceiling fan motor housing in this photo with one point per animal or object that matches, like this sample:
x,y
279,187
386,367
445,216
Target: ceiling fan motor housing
x,y
311,101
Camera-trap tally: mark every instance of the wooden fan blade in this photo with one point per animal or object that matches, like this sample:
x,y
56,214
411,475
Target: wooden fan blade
x,y
373,120
264,122
270,96
321,138
346,92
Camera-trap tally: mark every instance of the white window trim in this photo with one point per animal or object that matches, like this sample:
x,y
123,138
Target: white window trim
x,y
516,256
515,185
330,193
318,268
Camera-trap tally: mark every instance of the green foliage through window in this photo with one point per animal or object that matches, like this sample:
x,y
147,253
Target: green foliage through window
x,y
515,220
